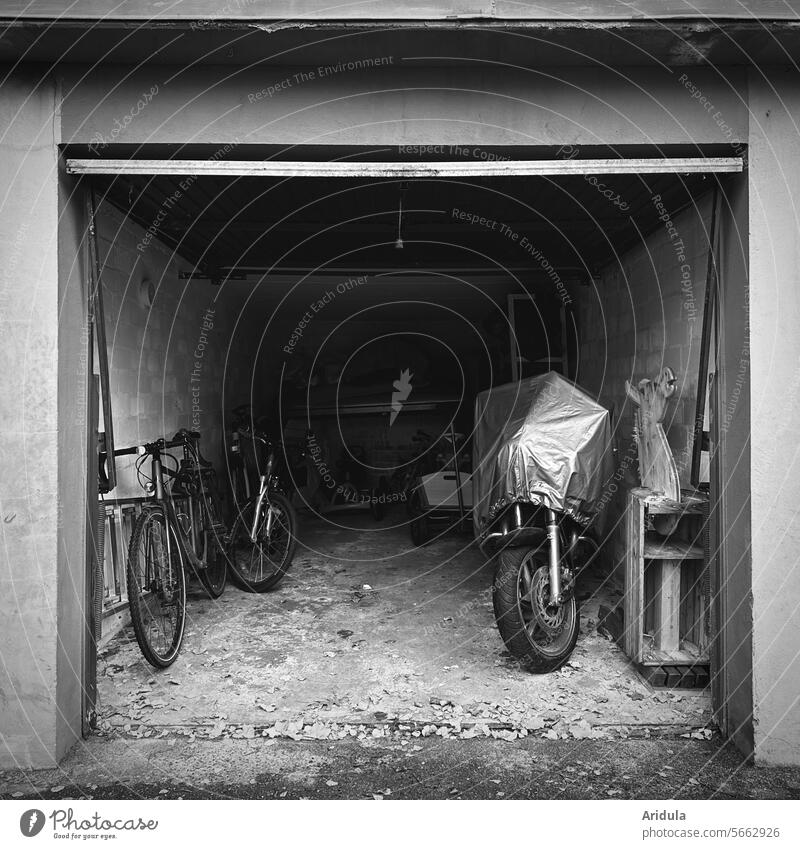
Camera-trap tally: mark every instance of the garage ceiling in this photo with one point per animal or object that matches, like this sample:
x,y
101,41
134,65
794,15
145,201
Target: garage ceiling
x,y
351,224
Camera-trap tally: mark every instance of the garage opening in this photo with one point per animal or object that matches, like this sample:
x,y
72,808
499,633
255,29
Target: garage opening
x,y
355,317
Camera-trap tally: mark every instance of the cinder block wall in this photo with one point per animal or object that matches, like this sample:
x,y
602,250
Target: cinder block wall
x,y
157,385
646,312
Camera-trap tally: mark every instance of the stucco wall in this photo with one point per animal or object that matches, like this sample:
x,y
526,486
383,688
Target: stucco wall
x,y
392,105
417,106
29,420
774,382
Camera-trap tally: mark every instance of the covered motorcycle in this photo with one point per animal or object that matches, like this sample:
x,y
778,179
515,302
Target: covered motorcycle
x,y
540,441
542,464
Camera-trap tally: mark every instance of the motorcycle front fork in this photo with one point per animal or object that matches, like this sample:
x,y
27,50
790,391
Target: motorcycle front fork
x,y
554,548
558,591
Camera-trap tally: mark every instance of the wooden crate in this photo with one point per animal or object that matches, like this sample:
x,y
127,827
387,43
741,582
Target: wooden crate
x,y
666,588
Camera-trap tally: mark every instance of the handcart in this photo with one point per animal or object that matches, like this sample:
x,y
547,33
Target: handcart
x,y
441,495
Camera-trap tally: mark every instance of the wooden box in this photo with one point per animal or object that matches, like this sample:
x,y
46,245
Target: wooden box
x,y
666,584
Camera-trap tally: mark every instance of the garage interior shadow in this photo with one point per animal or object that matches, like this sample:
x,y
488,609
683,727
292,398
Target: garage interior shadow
x,y
368,314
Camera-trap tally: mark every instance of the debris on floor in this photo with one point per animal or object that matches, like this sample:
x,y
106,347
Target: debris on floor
x,y
417,654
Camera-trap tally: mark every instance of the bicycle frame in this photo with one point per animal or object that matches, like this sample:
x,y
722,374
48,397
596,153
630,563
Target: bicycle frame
x,y
263,489
239,464
161,495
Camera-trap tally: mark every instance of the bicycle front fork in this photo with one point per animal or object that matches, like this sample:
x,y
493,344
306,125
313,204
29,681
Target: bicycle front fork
x,y
262,497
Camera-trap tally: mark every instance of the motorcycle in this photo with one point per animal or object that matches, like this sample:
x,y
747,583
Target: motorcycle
x,y
543,462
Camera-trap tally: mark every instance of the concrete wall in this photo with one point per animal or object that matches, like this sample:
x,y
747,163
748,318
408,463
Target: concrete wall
x,y
402,106
75,489
310,10
391,105
168,358
732,565
644,313
41,460
773,382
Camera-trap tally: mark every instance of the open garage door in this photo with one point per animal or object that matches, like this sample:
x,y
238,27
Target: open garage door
x,y
537,168
408,241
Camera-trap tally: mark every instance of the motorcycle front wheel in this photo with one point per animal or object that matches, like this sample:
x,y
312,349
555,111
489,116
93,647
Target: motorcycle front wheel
x,y
540,636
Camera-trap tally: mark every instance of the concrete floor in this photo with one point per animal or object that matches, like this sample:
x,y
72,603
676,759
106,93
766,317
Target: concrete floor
x,y
327,688
370,636
425,768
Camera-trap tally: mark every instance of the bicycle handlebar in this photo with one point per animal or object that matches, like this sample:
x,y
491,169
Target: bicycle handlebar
x,y
181,438
121,452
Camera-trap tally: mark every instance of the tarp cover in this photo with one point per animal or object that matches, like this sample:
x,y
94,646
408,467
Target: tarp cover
x,y
544,441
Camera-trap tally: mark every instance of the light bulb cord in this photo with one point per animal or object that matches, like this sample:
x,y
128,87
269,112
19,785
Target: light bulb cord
x,y
400,218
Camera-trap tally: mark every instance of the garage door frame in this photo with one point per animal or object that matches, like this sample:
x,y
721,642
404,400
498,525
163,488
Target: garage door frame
x,y
510,168
418,169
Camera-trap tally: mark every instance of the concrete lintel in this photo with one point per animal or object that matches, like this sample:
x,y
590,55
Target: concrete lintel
x,y
569,11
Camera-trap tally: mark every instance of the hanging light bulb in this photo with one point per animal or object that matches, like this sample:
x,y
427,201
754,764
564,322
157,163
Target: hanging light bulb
x,y
399,240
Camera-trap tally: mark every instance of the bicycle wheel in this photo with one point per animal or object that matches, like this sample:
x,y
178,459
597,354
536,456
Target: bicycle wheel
x,y
258,566
215,575
156,587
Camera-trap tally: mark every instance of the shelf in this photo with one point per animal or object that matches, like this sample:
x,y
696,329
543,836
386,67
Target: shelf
x,y
684,656
369,408
657,548
692,503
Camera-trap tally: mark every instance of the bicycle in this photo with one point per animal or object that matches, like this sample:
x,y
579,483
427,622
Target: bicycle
x,y
239,479
263,538
164,541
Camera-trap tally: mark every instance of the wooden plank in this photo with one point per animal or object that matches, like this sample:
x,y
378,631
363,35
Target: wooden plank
x,y
694,676
629,605
665,507
97,322
692,502
94,565
687,612
702,673
666,635
658,548
655,675
634,578
114,536
519,168
648,597
709,297
116,502
653,657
